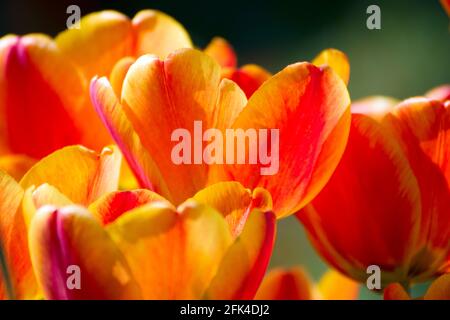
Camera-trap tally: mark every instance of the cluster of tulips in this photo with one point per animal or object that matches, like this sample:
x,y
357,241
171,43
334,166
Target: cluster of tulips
x,y
86,177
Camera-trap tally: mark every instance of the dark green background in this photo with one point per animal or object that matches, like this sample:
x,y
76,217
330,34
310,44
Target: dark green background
x,y
408,56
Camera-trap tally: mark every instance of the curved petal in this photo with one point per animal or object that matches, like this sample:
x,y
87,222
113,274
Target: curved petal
x,y
335,59
13,240
112,205
222,51
249,77
378,222
119,73
290,284
234,202
103,38
87,175
310,108
177,100
423,126
395,291
429,121
38,106
120,128
242,268
61,246
35,198
441,93
172,255
439,289
158,33
335,286
16,165
376,106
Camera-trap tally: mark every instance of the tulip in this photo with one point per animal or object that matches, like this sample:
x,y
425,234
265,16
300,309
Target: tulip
x,y
295,284
145,248
388,202
438,290
44,100
146,100
88,177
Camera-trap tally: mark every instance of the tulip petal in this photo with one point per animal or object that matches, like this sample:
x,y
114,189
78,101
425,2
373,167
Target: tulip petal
x,y
103,38
335,286
242,268
310,107
291,284
387,200
61,244
159,97
172,255
35,198
429,121
335,59
441,93
112,205
114,118
376,106
395,291
159,34
39,105
439,289
249,77
234,202
423,126
13,240
222,51
16,165
118,74
87,175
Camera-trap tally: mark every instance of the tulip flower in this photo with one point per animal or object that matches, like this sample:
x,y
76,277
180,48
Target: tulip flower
x,y
44,100
250,77
388,201
145,248
295,284
73,174
438,290
148,99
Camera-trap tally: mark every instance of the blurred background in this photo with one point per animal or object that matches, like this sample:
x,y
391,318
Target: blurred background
x,y
407,57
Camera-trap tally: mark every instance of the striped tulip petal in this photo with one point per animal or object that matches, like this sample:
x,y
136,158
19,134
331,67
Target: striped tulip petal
x,y
69,266
13,241
38,107
159,34
222,52
87,175
335,59
173,254
242,269
310,107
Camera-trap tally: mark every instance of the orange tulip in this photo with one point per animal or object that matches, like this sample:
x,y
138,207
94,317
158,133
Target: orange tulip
x,y
44,99
145,248
86,178
295,284
387,203
148,99
438,290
